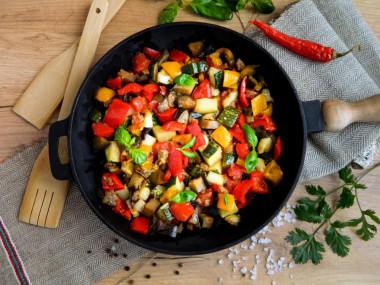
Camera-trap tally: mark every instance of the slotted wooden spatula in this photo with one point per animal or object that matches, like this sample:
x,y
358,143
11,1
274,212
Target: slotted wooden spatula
x,y
47,88
44,195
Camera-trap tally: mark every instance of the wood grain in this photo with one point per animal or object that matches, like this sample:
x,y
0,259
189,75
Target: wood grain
x,y
34,32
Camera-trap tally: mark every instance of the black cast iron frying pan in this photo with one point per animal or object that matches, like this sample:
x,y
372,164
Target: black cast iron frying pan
x,y
293,128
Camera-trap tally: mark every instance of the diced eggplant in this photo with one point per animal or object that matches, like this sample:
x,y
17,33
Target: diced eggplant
x,y
233,219
182,116
186,102
110,198
136,180
161,227
196,48
209,124
195,115
197,185
126,76
113,167
265,145
207,221
151,207
127,167
99,143
239,64
182,89
163,106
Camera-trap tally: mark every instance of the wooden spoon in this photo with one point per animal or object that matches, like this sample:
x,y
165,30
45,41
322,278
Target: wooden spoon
x,y
44,195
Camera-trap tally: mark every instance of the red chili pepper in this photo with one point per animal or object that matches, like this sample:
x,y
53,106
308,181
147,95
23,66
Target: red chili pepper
x,y
205,198
242,189
238,133
277,148
178,55
149,90
259,185
308,49
116,113
110,181
102,130
230,183
240,120
140,225
174,126
163,90
114,83
122,209
195,130
181,211
140,62
166,176
134,88
242,95
166,116
264,121
236,171
203,90
175,161
242,150
151,53
138,103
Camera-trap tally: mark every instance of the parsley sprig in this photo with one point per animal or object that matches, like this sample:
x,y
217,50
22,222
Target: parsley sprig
x,y
305,246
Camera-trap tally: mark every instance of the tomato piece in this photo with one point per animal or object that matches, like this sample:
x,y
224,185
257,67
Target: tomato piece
x,y
230,183
166,176
242,150
114,83
140,225
259,184
160,146
215,188
149,90
134,88
166,116
174,126
139,103
203,90
140,62
151,53
178,55
240,120
175,161
102,130
162,90
195,130
181,211
110,181
122,209
116,113
205,198
242,189
236,171
238,133
277,148
153,105
185,159
264,121
242,93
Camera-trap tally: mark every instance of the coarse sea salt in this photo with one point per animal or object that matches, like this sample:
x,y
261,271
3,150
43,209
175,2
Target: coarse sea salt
x,y
230,255
243,246
220,261
243,270
220,279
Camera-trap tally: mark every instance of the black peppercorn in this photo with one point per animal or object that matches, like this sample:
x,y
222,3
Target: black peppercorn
x,y
176,272
116,240
154,264
131,281
180,264
147,276
125,255
127,268
89,251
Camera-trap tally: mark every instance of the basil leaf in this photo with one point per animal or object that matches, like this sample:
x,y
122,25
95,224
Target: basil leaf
x,y
122,136
185,80
137,155
169,13
225,199
215,9
188,154
189,144
251,135
184,196
263,6
251,161
236,5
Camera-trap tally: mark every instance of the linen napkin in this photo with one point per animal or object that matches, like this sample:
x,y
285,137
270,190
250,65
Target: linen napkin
x,y
75,252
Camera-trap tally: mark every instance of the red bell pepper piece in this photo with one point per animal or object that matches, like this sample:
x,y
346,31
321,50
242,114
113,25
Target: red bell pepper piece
x,y
140,62
140,225
134,88
160,146
151,53
175,161
181,211
174,126
236,171
203,90
166,176
116,113
264,121
242,95
259,184
240,120
114,83
153,105
185,159
162,90
238,133
102,130
149,90
242,150
178,55
181,177
230,183
277,148
110,181
241,190
195,130
138,103
122,209
215,188
166,116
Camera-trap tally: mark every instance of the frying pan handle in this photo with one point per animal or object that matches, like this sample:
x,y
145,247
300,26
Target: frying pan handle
x,y
59,170
315,122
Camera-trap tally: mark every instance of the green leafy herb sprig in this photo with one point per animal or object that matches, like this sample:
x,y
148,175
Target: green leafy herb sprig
x,y
186,146
251,160
305,246
215,9
123,138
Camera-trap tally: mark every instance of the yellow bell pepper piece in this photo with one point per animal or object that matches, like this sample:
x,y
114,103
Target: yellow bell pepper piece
x,y
231,79
104,94
259,104
168,194
146,148
216,59
273,172
173,68
222,199
226,52
240,162
268,111
182,139
222,136
248,70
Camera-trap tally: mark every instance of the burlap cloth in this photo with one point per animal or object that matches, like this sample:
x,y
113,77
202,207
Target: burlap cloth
x,y
60,256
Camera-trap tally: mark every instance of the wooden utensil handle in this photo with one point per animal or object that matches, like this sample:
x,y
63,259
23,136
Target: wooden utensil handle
x,y
339,114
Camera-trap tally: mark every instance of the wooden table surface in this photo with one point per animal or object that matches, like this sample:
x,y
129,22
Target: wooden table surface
x,y
33,32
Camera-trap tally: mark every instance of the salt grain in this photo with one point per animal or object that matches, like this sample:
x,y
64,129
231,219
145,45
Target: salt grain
x,y
220,280
291,276
274,283
220,261
244,270
244,258
290,265
243,246
230,255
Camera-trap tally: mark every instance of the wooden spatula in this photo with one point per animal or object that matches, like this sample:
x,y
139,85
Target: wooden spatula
x,y
47,88
44,195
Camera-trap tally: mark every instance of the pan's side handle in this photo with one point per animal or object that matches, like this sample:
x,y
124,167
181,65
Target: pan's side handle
x,y
339,114
59,170
314,116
